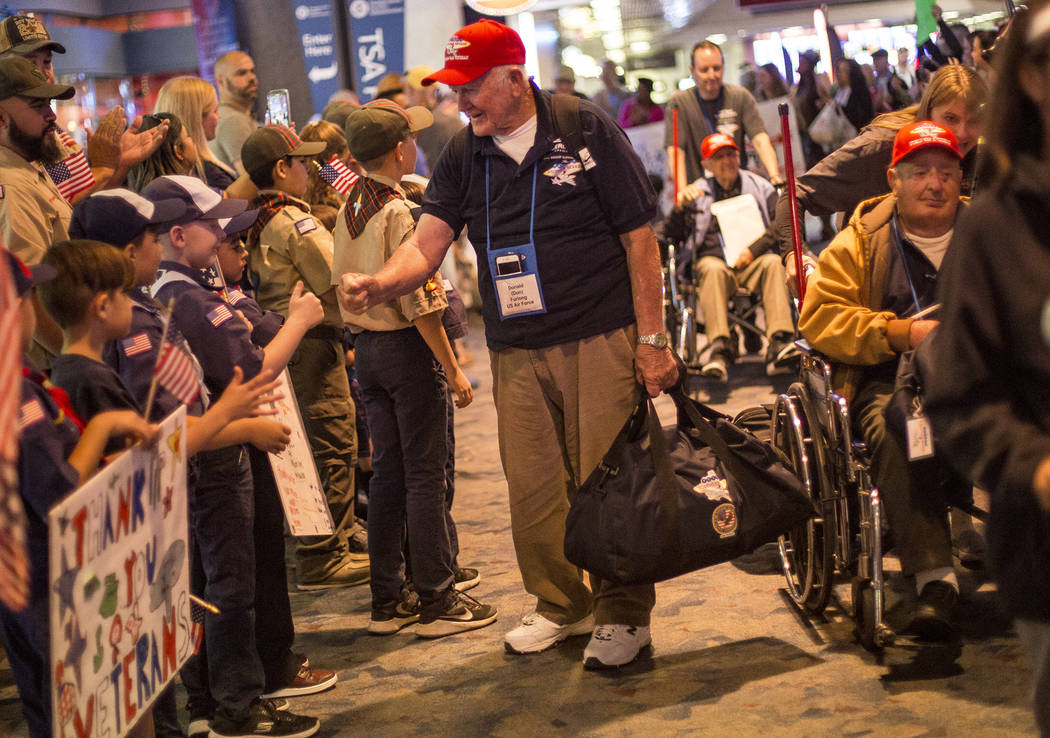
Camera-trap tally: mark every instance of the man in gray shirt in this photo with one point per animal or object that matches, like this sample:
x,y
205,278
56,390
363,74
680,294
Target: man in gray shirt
x,y
713,107
238,88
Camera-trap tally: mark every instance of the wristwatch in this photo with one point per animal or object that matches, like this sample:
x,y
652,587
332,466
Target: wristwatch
x,y
656,340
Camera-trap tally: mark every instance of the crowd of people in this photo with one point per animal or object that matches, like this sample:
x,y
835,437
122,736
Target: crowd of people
x,y
256,248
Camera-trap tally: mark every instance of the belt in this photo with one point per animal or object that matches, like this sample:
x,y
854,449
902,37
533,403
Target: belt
x,y
325,333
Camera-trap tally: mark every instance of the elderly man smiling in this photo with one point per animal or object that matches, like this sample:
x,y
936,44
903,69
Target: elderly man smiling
x,y
569,273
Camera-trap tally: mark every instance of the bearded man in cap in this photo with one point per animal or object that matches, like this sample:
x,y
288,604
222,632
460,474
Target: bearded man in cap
x,y
569,272
860,310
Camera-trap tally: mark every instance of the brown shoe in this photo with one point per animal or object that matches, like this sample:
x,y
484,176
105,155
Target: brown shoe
x,y
307,681
347,573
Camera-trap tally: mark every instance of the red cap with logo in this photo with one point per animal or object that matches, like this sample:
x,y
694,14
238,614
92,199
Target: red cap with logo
x,y
475,49
715,143
920,135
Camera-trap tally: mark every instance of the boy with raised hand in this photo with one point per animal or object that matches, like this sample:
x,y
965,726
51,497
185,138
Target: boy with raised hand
x,y
288,245
222,510
57,452
402,357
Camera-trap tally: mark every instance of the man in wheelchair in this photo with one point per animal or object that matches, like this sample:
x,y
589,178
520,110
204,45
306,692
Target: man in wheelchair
x,y
859,310
756,268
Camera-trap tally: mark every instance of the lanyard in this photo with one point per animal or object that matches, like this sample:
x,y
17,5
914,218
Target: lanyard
x,y
904,262
719,102
488,223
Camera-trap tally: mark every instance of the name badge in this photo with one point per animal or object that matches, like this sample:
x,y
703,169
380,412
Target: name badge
x,y
517,281
920,438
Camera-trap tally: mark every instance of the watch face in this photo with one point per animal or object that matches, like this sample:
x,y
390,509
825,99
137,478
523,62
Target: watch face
x,y
657,340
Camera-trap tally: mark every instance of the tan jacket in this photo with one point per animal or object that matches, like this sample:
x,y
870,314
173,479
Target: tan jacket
x,y
838,316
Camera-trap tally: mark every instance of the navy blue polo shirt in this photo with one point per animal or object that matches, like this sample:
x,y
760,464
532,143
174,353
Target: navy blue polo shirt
x,y
579,216
217,336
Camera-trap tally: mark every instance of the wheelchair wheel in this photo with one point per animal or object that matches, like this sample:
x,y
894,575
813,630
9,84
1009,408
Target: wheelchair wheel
x,y
864,613
807,552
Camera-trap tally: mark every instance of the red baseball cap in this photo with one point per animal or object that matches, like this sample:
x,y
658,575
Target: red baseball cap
x,y
475,49
715,143
920,135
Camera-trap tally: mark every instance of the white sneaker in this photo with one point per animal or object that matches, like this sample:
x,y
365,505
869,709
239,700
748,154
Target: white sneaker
x,y
536,633
615,645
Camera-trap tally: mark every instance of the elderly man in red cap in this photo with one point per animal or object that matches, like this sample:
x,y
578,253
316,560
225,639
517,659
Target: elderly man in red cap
x,y
860,310
569,273
720,265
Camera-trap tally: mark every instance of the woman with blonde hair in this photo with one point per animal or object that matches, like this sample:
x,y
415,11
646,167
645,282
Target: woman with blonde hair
x,y
194,102
323,199
857,171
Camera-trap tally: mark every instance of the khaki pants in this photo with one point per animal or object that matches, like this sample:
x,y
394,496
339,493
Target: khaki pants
x,y
559,410
716,283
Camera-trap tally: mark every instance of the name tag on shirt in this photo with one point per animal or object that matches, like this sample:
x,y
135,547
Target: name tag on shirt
x,y
306,225
920,438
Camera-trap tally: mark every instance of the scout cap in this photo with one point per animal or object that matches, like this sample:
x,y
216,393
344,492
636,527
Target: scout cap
x,y
240,222
414,77
337,111
202,202
920,135
119,216
380,125
477,48
18,76
268,144
25,278
23,34
715,143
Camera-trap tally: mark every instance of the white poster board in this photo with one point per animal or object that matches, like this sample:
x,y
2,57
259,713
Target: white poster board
x,y
305,506
119,600
740,222
771,119
648,143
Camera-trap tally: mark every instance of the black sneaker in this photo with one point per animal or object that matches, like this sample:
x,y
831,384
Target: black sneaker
x,y
781,354
264,720
720,358
932,620
454,612
466,579
390,617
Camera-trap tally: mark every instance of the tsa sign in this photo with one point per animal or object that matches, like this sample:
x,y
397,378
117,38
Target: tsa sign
x,y
377,28
314,23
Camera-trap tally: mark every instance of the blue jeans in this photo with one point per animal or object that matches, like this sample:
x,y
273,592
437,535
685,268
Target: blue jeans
x,y
404,390
222,513
28,643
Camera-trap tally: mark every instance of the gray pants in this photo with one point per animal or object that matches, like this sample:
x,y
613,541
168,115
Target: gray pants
x,y
716,283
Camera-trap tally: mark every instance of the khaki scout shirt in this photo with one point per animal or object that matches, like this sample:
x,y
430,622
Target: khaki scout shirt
x,y
33,213
367,254
295,246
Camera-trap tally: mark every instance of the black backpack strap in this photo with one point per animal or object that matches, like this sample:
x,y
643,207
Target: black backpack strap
x,y
567,125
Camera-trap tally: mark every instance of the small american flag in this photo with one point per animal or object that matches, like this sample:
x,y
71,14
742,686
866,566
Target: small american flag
x,y
219,315
175,373
137,344
14,565
72,175
336,174
30,412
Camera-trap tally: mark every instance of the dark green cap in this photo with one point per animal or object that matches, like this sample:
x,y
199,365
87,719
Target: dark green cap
x,y
19,77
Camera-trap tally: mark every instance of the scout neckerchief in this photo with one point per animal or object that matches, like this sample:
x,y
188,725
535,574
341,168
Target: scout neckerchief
x,y
269,204
366,198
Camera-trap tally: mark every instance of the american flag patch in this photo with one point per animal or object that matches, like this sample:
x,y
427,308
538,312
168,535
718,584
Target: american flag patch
x,y
235,296
219,315
336,173
30,412
137,344
71,175
305,225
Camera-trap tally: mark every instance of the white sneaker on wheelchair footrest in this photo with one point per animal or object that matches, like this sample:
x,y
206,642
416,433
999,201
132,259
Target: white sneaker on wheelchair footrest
x,y
612,646
786,354
536,633
716,368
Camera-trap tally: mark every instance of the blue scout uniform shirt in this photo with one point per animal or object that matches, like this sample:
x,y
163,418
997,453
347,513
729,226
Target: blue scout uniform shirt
x,y
218,337
134,356
579,216
47,438
265,323
93,388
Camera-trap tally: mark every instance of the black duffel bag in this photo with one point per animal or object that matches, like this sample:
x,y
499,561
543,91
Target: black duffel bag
x,y
661,504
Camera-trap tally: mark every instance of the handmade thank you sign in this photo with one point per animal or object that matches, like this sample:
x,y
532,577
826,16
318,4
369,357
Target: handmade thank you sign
x,y
119,602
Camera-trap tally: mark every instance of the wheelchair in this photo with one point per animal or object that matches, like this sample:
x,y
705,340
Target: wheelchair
x,y
811,426
681,310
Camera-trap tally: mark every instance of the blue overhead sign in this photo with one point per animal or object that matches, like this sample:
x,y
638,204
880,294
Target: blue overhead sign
x,y
377,28
315,25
